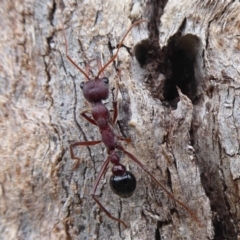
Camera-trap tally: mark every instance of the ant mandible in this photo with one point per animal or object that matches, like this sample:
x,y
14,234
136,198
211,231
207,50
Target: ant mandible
x,y
122,182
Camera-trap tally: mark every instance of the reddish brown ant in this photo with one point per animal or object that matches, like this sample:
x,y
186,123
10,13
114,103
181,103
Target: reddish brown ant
x,y
122,182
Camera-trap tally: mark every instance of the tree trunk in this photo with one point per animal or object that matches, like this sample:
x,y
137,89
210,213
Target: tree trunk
x,y
178,103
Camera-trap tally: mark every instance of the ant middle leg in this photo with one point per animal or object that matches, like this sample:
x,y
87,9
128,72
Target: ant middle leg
x,y
128,140
86,143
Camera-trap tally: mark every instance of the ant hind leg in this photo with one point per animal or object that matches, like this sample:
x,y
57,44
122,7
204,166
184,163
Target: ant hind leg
x,y
170,195
103,169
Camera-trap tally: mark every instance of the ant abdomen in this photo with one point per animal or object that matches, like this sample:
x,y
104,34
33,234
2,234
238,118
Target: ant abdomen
x,y
124,185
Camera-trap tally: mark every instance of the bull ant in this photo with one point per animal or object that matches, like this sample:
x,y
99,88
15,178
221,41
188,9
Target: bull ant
x,y
122,182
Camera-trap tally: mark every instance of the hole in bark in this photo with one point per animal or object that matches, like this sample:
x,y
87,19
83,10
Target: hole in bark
x,y
219,230
169,178
157,232
191,133
141,51
184,69
81,228
222,219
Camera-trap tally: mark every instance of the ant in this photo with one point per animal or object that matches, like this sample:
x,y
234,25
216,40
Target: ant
x,y
122,182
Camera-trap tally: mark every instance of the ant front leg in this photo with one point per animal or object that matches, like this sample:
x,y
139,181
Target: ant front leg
x,y
115,109
115,103
103,169
83,114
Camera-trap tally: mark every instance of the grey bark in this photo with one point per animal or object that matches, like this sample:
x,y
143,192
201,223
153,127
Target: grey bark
x,y
189,139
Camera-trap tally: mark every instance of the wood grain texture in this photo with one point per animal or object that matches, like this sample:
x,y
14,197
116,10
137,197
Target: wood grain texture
x,y
188,138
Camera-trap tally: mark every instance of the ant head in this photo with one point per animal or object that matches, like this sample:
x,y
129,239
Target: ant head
x,y
95,90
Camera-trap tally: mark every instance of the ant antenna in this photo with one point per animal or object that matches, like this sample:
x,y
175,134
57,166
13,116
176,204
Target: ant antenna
x,y
62,6
119,46
69,58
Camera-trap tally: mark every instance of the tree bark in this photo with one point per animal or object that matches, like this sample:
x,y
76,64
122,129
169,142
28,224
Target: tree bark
x,y
179,104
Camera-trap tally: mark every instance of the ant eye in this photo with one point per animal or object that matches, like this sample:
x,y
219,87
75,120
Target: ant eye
x,y
81,85
105,80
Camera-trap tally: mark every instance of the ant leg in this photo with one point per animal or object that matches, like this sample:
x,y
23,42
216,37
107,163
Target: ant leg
x,y
170,195
87,143
103,169
115,109
83,114
70,59
128,140
115,103
115,112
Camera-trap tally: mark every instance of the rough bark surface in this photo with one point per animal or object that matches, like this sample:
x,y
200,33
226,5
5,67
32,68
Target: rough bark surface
x,y
187,137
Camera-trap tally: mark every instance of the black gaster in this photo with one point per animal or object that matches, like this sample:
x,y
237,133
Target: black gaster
x,y
124,185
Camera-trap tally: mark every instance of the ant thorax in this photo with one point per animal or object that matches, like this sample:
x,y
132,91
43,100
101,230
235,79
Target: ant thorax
x,y
100,115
